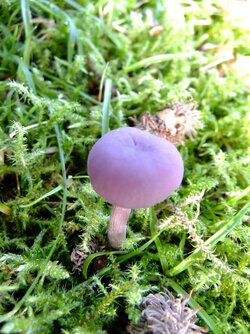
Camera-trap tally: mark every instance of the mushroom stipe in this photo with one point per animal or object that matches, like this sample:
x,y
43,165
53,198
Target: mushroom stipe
x,y
131,169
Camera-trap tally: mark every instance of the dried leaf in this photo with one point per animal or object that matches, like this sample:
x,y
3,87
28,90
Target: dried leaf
x,y
174,123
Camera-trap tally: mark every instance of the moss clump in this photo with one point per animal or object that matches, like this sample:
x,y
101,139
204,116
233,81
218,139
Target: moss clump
x,y
56,58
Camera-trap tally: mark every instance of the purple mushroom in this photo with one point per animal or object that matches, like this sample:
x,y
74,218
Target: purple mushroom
x,y
131,169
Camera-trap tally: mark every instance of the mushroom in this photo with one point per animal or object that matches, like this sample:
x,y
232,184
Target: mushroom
x,y
132,169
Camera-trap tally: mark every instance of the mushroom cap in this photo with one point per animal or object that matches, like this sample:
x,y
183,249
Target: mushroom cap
x,y
131,168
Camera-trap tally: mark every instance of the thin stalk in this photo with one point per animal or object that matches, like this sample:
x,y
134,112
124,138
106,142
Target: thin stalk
x,y
117,226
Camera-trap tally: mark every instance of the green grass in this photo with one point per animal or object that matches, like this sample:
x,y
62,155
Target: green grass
x,y
69,72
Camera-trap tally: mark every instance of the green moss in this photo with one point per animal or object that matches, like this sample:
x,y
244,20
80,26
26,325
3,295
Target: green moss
x,y
54,55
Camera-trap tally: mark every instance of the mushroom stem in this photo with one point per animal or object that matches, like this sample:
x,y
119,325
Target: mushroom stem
x,y
117,226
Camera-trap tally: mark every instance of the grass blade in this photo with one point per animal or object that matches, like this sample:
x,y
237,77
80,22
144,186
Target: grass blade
x,y
212,241
155,60
106,106
50,193
26,15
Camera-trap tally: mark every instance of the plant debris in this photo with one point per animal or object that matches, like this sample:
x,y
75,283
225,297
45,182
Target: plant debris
x,y
176,122
164,314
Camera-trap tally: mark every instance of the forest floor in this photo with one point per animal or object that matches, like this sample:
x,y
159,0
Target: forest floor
x,y
69,71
